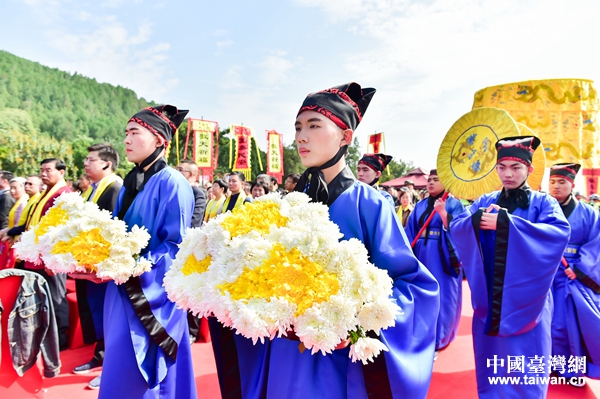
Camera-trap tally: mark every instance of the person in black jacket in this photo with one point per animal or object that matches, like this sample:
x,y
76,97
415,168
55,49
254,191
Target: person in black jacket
x,y
100,166
6,200
189,170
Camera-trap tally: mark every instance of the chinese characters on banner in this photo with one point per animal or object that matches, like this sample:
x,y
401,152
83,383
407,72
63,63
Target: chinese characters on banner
x,y
243,139
275,155
205,152
374,145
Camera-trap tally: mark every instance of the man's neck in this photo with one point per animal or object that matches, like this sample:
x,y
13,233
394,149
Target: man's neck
x,y
236,193
331,172
155,160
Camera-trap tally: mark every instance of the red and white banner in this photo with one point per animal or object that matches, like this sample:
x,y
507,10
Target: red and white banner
x,y
243,140
376,143
275,155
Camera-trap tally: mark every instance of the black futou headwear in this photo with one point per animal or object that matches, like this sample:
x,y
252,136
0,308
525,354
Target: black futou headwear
x,y
567,171
377,162
161,120
345,105
519,149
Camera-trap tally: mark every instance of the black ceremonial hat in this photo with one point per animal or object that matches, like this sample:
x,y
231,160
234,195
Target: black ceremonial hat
x,y
377,162
565,170
161,120
345,105
520,149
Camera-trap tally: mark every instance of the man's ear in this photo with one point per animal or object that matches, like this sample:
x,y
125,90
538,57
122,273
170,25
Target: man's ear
x,y
378,174
530,170
347,137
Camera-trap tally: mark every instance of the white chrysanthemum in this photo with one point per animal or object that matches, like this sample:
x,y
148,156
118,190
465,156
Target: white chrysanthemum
x,y
360,304
83,219
366,349
378,315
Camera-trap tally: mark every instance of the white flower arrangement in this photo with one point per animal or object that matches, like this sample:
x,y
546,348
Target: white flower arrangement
x,y
276,266
76,236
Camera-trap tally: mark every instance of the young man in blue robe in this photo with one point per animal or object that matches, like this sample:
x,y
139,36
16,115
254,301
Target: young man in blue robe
x,y
278,369
435,250
576,288
369,171
510,243
146,337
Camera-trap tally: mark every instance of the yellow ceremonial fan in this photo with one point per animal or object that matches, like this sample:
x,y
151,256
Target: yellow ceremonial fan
x,y
539,160
467,156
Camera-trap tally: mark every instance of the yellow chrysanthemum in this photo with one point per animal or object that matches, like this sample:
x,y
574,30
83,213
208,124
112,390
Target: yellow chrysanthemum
x,y
54,217
259,216
193,265
88,248
287,275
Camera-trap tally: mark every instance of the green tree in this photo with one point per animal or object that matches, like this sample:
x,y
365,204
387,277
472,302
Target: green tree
x,y
22,153
354,155
291,160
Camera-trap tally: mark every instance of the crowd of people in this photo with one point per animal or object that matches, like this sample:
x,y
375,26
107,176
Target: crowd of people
x,y
530,259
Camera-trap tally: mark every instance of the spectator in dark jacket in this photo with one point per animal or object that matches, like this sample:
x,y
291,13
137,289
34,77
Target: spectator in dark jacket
x,y
32,325
6,200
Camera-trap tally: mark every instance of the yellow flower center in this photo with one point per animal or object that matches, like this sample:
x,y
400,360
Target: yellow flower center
x,y
88,248
193,265
259,216
287,275
54,217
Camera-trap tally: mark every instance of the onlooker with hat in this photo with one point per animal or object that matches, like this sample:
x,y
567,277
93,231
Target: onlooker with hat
x,y
579,197
595,201
411,186
510,243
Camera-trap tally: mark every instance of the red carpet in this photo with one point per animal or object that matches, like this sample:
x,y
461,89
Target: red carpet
x,y
453,374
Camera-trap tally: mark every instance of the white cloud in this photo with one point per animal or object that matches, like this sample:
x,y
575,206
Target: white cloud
x,y
106,48
428,59
224,43
276,69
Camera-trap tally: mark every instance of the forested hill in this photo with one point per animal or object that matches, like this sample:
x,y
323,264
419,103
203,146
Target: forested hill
x,y
67,107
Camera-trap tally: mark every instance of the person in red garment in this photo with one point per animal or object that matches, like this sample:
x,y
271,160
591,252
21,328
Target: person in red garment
x,y
52,173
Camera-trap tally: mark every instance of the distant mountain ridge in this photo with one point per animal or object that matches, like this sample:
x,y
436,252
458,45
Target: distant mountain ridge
x,y
66,106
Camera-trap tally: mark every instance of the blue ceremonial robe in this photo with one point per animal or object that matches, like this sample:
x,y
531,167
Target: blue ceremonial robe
x,y
510,273
436,252
388,197
576,321
136,364
403,372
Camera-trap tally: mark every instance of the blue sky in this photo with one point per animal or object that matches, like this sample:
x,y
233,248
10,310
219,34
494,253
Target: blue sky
x,y
253,62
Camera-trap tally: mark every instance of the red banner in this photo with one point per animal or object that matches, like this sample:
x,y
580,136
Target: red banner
x,y
243,141
375,141
591,180
275,155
